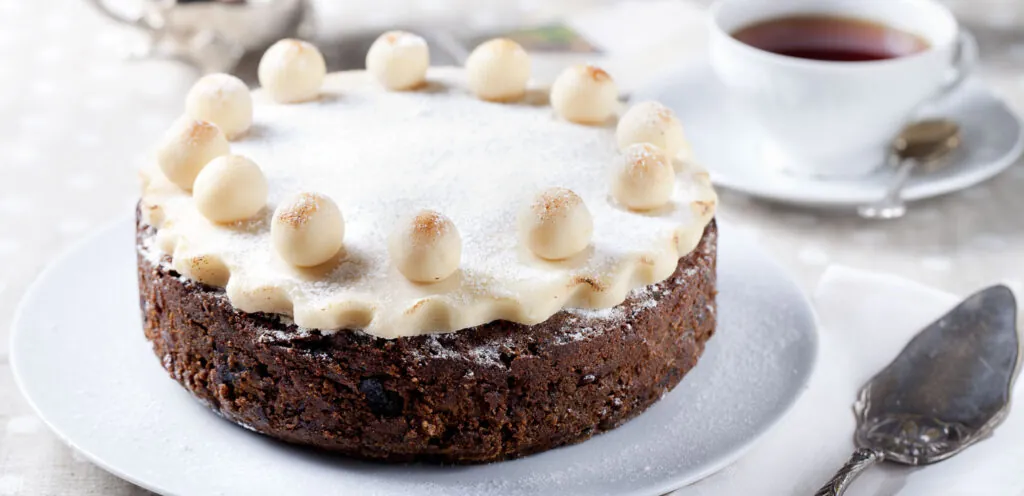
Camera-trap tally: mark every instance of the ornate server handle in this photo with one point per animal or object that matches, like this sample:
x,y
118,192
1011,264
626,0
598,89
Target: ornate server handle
x,y
860,460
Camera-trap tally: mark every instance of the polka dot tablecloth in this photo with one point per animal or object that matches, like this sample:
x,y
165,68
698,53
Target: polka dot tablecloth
x,y
78,120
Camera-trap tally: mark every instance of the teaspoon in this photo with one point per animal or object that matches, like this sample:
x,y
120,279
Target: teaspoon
x,y
920,144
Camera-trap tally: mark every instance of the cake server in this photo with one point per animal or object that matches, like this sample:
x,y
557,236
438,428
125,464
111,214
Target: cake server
x,y
948,389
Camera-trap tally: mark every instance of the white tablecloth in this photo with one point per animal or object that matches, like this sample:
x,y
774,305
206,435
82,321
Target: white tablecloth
x,y
859,337
78,120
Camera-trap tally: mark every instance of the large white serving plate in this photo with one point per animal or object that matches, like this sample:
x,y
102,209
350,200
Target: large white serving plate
x,y
80,357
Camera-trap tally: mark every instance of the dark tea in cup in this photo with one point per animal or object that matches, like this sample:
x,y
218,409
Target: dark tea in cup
x,y
830,38
865,67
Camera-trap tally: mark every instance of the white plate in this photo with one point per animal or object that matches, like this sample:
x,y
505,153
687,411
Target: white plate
x,y
80,357
735,151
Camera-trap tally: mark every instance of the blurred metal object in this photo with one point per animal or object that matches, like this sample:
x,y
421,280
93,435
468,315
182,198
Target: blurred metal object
x,y
989,14
212,35
998,26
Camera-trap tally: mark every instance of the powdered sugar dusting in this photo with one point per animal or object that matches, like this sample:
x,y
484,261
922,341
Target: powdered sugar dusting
x,y
488,355
149,251
219,86
271,335
643,298
384,155
403,39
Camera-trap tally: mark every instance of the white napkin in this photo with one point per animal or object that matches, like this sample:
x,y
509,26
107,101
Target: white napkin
x,y
865,319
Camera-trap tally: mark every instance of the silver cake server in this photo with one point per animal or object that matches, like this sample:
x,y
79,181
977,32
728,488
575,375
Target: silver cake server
x,y
948,389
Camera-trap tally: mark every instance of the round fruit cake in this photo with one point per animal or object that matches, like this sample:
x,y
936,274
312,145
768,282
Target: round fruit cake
x,y
412,263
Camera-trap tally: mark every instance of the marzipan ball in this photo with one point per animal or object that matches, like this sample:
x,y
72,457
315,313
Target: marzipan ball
x,y
651,122
556,224
229,189
398,60
307,229
221,99
426,247
498,70
292,71
187,147
584,94
642,177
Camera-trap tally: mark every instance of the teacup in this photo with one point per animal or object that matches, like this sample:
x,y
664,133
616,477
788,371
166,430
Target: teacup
x,y
836,117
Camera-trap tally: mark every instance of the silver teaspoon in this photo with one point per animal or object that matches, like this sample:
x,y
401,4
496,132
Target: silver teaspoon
x,y
949,388
920,144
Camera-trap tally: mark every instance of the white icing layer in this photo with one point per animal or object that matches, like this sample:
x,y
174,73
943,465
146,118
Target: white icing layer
x,y
382,156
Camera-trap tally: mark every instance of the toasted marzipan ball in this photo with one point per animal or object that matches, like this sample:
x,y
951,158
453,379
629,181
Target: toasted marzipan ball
x,y
187,147
584,94
398,60
229,189
498,70
651,122
223,100
292,71
642,177
425,247
556,224
307,229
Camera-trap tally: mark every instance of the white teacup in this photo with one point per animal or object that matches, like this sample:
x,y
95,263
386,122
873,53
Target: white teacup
x,y
834,118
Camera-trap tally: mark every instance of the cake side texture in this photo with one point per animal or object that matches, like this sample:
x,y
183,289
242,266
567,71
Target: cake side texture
x,y
496,391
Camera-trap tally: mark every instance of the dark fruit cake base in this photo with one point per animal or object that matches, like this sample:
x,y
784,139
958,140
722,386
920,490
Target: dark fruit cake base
x,y
493,392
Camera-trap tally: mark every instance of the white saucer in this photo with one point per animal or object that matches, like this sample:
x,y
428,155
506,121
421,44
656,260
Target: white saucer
x,y
732,148
79,356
